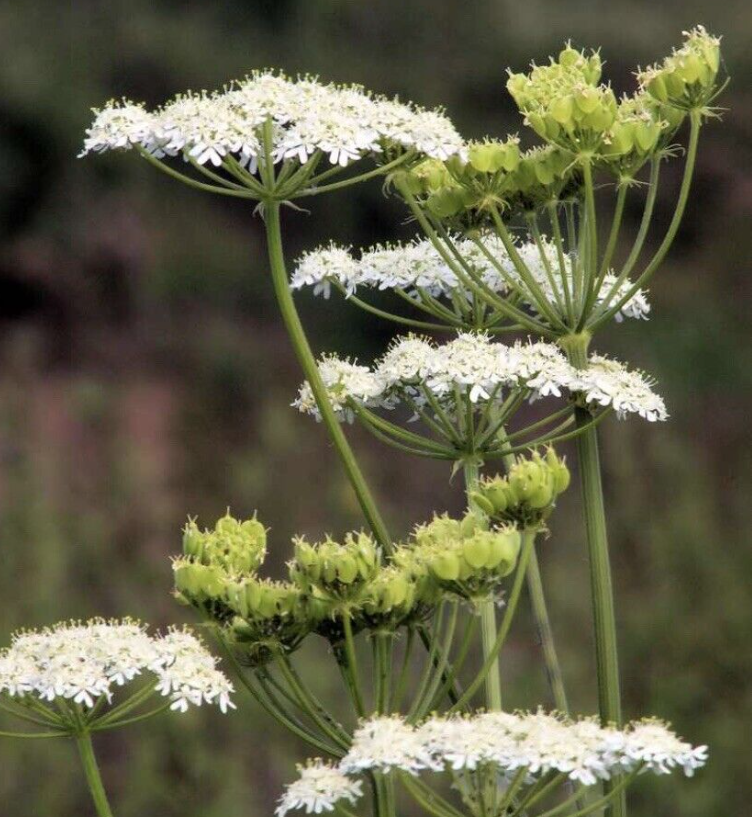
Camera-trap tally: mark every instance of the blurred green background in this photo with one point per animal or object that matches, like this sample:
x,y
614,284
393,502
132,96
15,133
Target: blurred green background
x,y
145,375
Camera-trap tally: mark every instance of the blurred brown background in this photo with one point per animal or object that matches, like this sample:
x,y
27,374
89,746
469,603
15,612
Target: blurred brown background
x,y
145,375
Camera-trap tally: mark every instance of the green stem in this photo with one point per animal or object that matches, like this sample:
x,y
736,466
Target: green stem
x,y
604,617
310,369
487,609
528,539
93,777
590,261
668,240
545,633
352,665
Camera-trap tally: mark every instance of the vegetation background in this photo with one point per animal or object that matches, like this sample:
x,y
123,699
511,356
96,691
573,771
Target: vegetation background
x,y
145,375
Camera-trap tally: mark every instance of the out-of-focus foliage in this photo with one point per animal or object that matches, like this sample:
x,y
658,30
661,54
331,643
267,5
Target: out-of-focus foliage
x,y
144,374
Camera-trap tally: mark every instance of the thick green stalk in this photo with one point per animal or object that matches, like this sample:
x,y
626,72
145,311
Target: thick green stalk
x,y
604,617
93,778
310,369
487,612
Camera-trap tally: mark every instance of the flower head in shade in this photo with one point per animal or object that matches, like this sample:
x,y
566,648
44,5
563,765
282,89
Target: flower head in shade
x,y
307,117
417,266
344,380
319,788
83,662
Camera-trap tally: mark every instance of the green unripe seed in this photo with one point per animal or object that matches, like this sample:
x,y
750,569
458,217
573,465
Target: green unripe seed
x,y
476,550
446,567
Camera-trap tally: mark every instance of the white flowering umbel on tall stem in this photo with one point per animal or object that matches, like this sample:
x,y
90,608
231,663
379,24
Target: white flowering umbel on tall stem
x,y
265,139
62,681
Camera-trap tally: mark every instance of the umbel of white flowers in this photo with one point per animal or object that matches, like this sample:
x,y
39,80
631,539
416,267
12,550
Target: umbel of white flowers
x,y
342,122
87,662
482,369
521,746
418,265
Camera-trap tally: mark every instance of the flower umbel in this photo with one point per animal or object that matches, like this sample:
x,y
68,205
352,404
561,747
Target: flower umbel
x,y
85,662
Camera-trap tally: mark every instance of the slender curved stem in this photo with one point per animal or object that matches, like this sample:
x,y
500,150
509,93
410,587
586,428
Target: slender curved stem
x,y
487,610
399,690
545,633
428,798
310,369
207,188
465,644
382,170
617,790
352,665
590,234
95,727
427,326
608,253
34,734
322,719
441,667
660,254
93,777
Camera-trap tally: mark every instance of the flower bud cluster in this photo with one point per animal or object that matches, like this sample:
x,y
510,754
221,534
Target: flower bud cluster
x,y
492,174
688,79
334,578
238,547
217,574
642,126
527,495
462,557
338,572
563,102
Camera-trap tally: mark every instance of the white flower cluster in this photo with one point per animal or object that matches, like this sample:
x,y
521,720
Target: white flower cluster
x,y
537,742
607,383
418,265
344,381
481,368
82,662
344,122
319,787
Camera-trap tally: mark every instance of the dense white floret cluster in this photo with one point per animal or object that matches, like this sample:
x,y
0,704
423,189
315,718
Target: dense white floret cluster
x,y
482,369
319,788
344,381
537,743
343,122
607,383
419,266
83,662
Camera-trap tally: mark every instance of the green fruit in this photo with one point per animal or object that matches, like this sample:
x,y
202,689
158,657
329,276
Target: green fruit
x,y
446,567
476,550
